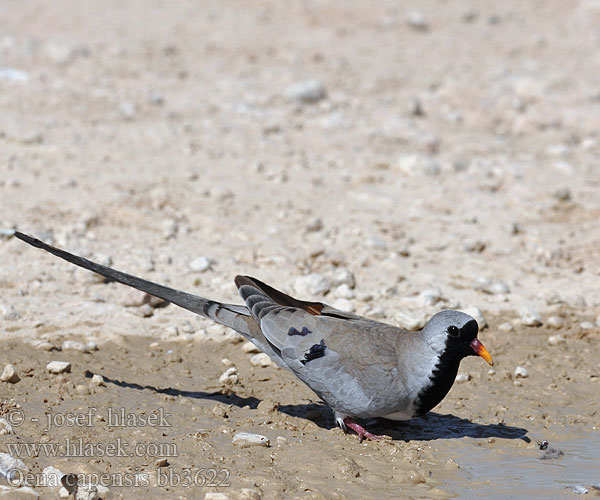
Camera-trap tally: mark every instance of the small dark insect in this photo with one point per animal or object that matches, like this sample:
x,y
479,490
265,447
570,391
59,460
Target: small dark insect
x,y
543,445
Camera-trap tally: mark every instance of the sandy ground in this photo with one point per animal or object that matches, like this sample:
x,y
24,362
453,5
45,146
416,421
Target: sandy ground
x,y
446,154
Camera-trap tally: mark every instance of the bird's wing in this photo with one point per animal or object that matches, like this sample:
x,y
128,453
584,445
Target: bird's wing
x,y
350,361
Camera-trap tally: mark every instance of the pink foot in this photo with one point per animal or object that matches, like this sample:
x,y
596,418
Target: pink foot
x,y
361,432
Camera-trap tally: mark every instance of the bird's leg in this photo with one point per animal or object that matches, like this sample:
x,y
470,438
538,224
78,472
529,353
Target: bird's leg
x,y
361,432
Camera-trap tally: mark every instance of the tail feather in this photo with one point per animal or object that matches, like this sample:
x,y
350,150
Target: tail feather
x,y
233,316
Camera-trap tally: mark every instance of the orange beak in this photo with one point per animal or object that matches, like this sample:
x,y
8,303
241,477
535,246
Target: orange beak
x,y
482,351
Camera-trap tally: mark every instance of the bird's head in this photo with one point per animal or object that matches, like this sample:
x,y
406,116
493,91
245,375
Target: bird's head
x,y
455,333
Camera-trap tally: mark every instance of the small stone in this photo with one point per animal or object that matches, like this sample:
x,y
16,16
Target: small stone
x,y
312,284
9,312
505,327
82,389
249,347
12,468
216,495
462,377
530,317
230,376
474,246
10,375
22,493
314,226
578,489
556,339
477,315
5,427
281,441
555,322
343,291
521,372
430,297
161,462
14,75
307,92
201,264
375,312
145,311
45,346
417,21
73,345
562,194
261,359
587,325
57,367
343,277
498,288
127,110
343,305
51,477
410,323
247,494
91,346
227,362
97,380
247,439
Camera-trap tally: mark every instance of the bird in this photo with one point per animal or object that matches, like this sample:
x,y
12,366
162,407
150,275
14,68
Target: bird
x,y
359,367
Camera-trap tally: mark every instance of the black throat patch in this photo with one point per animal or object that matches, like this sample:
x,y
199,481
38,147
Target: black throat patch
x,y
441,379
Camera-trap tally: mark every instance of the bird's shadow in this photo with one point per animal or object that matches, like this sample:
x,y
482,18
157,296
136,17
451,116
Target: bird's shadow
x,y
429,427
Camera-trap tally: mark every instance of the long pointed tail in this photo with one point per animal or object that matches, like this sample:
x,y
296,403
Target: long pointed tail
x,y
233,316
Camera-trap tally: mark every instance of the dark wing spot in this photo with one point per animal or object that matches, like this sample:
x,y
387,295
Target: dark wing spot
x,y
305,331
315,352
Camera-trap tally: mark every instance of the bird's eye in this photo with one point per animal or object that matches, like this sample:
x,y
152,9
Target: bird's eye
x,y
453,331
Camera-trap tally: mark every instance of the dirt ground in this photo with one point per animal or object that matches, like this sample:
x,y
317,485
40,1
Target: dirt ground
x,y
443,154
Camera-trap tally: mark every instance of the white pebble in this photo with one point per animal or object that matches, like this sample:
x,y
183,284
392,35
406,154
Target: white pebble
x,y
462,377
556,339
230,376
430,297
530,317
97,380
587,325
343,291
58,367
73,345
417,21
227,362
13,467
52,477
521,372
555,322
201,264
216,495
312,284
477,315
247,439
261,359
9,312
343,305
343,277
408,322
5,427
505,327
308,91
10,375
249,347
